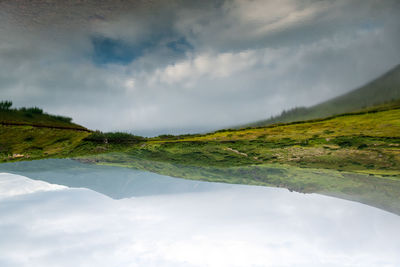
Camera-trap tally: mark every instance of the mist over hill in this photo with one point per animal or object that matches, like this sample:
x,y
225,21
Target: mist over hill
x,y
383,89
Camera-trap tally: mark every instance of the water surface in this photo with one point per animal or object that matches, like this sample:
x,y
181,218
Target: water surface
x,y
144,219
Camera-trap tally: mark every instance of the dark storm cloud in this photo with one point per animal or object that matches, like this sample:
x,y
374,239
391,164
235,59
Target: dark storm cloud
x,y
190,64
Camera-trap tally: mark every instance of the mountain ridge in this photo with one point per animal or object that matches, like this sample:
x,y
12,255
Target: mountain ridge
x,y
382,89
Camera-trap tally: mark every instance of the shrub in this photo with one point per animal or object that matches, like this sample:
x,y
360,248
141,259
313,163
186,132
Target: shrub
x,y
5,105
328,132
28,115
344,141
33,110
29,139
362,146
113,138
167,136
63,119
29,112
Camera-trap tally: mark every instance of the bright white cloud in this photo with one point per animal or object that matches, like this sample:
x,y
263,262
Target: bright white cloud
x,y
243,226
15,185
196,67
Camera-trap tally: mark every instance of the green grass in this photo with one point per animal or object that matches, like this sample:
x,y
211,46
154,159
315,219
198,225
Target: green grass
x,y
36,117
367,142
354,156
28,142
29,134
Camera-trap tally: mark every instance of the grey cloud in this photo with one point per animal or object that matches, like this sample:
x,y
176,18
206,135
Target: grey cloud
x,y
248,60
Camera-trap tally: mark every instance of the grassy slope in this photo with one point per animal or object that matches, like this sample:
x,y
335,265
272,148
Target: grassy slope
x,y
26,135
18,117
30,136
382,89
365,143
28,142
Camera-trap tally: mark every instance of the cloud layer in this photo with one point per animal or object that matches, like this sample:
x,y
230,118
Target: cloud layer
x,y
187,65
243,226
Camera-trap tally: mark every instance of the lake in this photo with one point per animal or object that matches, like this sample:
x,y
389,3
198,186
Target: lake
x,y
65,213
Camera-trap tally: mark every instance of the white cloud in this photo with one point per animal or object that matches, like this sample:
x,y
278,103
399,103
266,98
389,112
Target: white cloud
x,y
205,65
232,226
14,185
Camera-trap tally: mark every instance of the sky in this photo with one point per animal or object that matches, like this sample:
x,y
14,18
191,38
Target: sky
x,y
48,225
153,67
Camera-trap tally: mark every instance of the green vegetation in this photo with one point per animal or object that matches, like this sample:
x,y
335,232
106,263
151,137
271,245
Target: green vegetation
x,y
5,105
113,138
29,142
365,142
354,156
25,142
381,90
30,133
34,116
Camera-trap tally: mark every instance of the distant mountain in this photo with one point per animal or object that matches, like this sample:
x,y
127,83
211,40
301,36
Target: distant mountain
x,y
384,89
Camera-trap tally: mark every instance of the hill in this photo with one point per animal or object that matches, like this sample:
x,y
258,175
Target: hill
x,y
34,116
364,142
30,133
386,88
367,141
354,156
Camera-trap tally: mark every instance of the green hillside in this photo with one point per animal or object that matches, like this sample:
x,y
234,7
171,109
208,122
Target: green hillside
x,y
30,133
365,142
383,89
353,156
34,116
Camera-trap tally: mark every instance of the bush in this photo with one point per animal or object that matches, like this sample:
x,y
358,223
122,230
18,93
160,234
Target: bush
x,y
344,141
63,119
167,136
28,115
362,146
5,105
113,138
33,110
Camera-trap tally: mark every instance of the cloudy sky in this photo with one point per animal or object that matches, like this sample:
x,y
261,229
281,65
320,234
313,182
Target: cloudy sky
x,y
152,67
48,225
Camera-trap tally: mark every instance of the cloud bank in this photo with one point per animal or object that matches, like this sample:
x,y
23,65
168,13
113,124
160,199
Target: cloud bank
x,y
186,66
243,226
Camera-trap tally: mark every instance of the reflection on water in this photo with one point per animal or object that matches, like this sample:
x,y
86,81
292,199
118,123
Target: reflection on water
x,y
380,192
175,222
114,182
